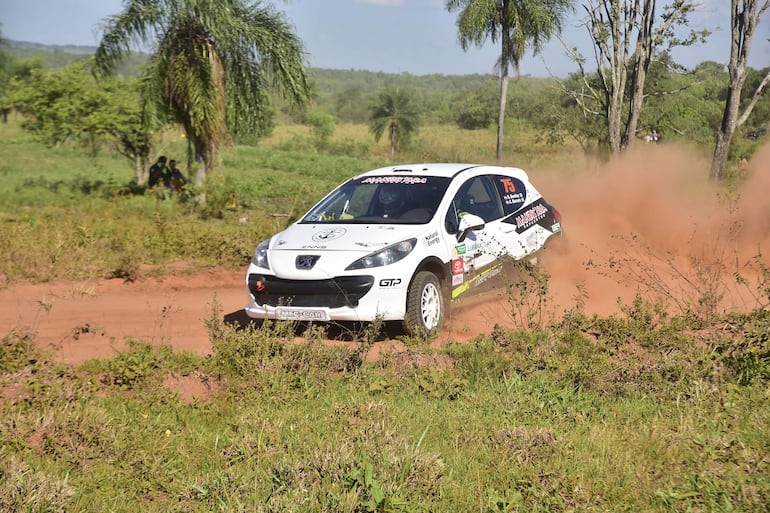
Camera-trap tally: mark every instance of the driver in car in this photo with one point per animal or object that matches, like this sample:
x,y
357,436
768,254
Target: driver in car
x,y
392,201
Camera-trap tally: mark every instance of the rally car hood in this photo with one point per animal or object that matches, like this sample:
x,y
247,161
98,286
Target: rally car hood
x,y
363,238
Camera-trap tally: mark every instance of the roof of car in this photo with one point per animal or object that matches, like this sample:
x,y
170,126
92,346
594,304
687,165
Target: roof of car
x,y
442,169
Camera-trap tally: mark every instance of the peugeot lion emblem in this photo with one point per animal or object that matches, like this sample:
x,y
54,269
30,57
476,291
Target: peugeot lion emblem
x,y
306,261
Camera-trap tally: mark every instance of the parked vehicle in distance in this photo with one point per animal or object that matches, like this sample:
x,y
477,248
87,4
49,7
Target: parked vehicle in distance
x,y
400,243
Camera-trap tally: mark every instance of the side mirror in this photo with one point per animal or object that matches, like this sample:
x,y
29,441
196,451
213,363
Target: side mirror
x,y
468,223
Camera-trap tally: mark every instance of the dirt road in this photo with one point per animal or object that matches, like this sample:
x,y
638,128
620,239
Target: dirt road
x,y
94,319
649,224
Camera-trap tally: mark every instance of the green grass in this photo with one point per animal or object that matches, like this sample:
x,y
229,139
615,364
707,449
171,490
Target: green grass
x,y
640,412
507,425
61,207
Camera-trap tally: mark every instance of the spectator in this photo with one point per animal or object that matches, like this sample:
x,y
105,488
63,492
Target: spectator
x,y
158,172
176,180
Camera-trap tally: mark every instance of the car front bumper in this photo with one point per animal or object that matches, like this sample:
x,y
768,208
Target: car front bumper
x,y
362,298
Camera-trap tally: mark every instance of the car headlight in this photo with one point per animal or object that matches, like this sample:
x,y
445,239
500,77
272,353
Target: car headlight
x,y
260,255
385,256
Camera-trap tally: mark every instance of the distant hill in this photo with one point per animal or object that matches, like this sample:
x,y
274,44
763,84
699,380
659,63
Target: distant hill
x,y
345,92
26,45
59,56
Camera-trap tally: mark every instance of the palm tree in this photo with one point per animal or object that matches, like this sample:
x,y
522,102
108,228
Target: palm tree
x,y
395,112
517,24
212,65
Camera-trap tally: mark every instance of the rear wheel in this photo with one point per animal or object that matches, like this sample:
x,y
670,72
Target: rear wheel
x,y
424,305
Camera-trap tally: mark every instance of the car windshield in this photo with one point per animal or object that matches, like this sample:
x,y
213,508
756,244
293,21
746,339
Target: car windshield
x,y
381,200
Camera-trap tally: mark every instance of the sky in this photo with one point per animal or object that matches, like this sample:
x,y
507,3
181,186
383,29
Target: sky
x,y
418,37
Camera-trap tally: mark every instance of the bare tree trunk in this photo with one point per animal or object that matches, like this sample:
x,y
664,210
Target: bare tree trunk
x,y
202,159
393,139
613,24
199,177
719,160
613,54
505,39
726,131
501,114
141,170
201,164
642,60
744,18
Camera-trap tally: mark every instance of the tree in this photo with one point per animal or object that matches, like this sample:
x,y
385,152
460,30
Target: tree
x,y
475,109
557,115
517,25
55,104
745,15
124,121
395,112
626,34
322,127
20,70
212,65
350,104
69,105
682,105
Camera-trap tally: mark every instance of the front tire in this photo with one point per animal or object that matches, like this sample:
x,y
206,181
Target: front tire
x,y
424,305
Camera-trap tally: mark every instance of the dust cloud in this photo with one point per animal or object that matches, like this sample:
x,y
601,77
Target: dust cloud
x,y
651,223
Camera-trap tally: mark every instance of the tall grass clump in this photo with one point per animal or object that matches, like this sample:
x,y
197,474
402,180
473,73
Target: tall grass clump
x,y
22,488
270,355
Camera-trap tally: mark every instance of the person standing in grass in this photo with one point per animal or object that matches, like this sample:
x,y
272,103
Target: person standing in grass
x,y
158,173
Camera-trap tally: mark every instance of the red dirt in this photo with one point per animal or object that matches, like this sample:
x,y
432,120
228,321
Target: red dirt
x,y
653,209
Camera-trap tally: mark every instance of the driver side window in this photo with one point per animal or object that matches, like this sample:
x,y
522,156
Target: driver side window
x,y
477,196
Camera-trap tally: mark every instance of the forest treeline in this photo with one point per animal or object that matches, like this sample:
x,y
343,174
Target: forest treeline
x,y
683,105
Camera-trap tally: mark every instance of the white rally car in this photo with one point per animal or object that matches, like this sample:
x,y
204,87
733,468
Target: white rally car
x,y
399,244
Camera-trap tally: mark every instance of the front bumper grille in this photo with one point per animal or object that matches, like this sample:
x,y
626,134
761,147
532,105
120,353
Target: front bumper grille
x,y
332,293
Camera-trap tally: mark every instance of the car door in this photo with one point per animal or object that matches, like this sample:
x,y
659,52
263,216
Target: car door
x,y
475,258
528,220
513,194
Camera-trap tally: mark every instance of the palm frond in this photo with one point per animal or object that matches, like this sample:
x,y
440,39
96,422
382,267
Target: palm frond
x,y
213,64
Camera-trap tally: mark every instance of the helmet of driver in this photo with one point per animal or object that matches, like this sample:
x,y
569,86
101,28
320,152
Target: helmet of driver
x,y
391,198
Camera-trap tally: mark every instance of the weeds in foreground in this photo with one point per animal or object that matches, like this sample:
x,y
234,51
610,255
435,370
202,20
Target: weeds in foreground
x,y
747,356
698,286
22,488
634,412
754,277
17,351
527,286
256,352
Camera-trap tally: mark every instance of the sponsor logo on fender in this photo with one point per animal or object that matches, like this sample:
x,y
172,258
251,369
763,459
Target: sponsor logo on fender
x,y
432,239
390,282
528,218
487,275
531,216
